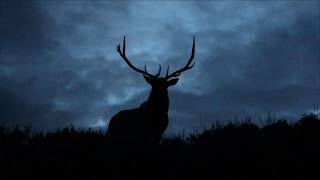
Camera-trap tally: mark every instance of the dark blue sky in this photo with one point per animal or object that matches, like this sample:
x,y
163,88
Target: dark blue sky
x,y
59,65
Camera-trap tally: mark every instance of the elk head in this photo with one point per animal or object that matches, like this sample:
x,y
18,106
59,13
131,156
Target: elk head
x,y
159,84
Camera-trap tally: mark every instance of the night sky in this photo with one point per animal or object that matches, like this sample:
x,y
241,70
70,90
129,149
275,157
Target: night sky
x,y
59,64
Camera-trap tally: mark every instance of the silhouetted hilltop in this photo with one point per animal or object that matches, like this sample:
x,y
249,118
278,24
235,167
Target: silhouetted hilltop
x,y
279,150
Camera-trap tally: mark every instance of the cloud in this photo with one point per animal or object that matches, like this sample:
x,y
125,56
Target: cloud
x,y
59,64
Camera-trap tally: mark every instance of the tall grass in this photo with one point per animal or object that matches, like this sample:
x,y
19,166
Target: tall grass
x,y
278,150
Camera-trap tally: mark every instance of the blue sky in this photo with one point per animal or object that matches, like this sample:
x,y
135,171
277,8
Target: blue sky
x,y
59,63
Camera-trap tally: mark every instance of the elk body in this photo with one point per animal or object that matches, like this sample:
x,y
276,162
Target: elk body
x,y
147,123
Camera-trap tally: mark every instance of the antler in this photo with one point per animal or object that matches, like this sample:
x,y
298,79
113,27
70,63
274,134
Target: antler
x,y
186,67
124,57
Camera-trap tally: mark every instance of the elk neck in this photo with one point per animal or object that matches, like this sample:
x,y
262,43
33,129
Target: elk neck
x,y
158,100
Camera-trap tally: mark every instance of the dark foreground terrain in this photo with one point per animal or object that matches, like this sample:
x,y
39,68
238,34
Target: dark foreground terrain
x,y
234,151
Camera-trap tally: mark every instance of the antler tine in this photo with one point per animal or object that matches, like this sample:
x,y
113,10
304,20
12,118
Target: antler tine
x,y
167,74
157,75
187,66
124,57
124,45
159,72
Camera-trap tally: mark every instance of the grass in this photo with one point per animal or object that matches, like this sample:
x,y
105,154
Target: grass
x,y
278,150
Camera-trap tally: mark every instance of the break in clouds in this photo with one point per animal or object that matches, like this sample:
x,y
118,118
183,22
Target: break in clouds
x,y
59,65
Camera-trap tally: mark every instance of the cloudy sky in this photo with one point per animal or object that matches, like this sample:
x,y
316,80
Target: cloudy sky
x,y
59,65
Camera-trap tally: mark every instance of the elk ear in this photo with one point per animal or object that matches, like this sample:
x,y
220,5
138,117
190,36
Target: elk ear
x,y
148,79
172,82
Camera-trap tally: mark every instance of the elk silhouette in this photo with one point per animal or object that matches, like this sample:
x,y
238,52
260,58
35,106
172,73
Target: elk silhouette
x,y
147,123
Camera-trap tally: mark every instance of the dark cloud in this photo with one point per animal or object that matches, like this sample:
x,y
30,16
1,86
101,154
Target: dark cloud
x,y
59,64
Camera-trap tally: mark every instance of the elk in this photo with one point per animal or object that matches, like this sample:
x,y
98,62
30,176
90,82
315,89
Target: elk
x,y
147,123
